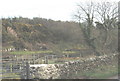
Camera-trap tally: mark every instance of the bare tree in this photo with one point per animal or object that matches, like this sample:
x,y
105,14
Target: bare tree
x,y
86,14
104,13
107,15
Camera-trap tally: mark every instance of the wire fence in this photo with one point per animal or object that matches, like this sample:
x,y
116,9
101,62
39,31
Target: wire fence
x,y
17,66
15,70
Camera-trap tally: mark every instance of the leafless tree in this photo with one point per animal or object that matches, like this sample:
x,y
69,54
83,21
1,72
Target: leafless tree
x,y
105,13
86,14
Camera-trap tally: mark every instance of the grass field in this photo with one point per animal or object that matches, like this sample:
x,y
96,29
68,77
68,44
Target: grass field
x,y
102,72
97,73
11,75
45,51
31,52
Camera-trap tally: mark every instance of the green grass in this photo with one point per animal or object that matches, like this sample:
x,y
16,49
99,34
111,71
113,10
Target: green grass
x,y
53,62
69,52
38,52
97,73
31,52
101,74
12,75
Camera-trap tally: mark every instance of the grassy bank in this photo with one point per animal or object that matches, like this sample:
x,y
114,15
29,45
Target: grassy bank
x,y
103,72
31,52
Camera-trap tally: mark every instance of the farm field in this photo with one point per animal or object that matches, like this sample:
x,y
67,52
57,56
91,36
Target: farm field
x,y
101,72
84,47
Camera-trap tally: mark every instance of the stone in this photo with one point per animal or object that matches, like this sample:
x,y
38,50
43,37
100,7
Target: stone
x,y
64,71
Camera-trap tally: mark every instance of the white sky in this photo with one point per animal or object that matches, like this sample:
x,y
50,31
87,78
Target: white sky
x,y
50,9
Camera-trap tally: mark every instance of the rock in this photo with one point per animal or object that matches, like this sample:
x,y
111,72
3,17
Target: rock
x,y
64,71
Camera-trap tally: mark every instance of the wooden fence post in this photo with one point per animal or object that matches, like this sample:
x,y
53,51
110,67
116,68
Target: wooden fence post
x,y
11,67
27,71
46,59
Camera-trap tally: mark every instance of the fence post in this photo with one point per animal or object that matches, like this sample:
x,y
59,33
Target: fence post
x,y
11,67
27,71
46,59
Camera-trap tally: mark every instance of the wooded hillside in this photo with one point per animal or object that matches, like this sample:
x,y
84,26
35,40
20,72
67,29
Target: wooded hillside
x,y
38,33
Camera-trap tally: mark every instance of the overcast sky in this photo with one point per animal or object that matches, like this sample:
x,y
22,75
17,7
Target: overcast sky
x,y
50,9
